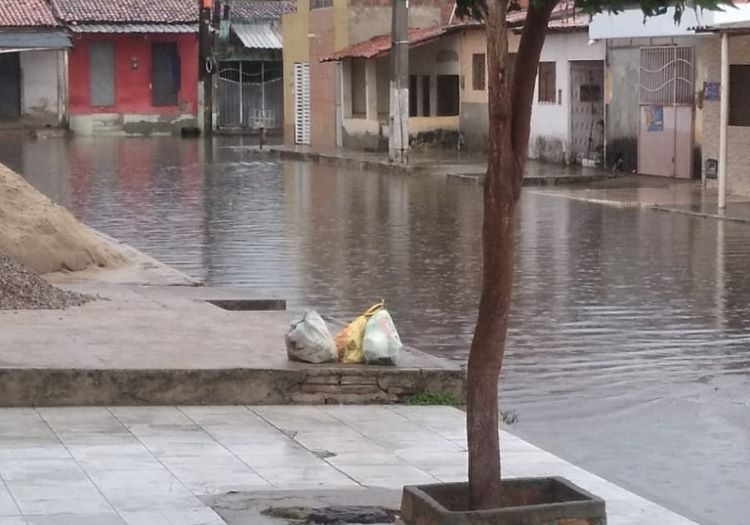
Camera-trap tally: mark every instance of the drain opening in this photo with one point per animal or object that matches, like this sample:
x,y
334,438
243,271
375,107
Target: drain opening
x,y
248,305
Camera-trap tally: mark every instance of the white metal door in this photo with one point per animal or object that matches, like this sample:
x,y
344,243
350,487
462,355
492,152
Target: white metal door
x,y
302,103
666,111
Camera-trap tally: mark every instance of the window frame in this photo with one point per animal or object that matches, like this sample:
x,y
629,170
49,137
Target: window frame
x,y
479,71
547,83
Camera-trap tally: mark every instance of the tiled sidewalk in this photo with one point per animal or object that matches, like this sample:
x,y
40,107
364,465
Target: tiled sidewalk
x,y
148,465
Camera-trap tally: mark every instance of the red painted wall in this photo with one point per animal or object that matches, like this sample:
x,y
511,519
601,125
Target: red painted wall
x,y
133,86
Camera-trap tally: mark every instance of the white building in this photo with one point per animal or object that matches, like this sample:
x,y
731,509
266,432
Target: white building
x,y
33,51
665,93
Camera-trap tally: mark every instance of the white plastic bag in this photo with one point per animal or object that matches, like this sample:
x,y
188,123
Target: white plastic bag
x,y
382,343
310,341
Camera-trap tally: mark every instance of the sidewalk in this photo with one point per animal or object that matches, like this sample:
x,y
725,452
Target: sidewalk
x,y
687,197
165,465
181,345
440,163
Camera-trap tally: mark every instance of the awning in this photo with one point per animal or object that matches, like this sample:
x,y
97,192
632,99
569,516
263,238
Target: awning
x,y
30,40
134,28
258,36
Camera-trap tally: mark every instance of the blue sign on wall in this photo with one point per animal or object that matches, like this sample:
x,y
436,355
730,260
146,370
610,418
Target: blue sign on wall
x,y
655,118
711,90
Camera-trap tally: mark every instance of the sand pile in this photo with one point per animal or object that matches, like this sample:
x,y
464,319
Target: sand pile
x,y
22,289
43,236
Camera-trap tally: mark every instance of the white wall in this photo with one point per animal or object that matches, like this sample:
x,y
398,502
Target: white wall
x,y
631,23
39,91
550,122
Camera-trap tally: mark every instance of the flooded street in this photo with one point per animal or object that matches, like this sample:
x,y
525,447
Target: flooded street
x,y
629,352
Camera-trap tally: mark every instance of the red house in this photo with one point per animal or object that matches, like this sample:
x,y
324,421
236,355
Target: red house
x,y
133,68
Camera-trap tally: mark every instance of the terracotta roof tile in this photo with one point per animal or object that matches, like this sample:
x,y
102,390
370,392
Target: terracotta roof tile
x,y
26,13
250,10
381,45
126,11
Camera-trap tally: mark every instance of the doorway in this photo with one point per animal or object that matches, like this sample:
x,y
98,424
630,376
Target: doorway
x,y
10,85
665,135
586,110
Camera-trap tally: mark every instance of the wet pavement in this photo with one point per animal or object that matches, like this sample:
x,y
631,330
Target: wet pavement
x,y
630,332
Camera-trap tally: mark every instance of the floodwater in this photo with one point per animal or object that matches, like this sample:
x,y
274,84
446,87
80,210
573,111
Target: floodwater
x,y
629,351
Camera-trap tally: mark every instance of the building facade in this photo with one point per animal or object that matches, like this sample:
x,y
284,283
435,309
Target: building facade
x,y
133,68
250,93
33,76
313,97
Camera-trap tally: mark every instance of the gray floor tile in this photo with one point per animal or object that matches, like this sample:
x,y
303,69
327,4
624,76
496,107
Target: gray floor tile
x,y
388,476
7,505
75,519
187,516
291,478
13,520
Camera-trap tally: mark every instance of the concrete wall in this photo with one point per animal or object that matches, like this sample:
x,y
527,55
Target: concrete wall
x,y
474,121
738,152
367,21
621,96
133,83
550,121
40,89
438,58
294,29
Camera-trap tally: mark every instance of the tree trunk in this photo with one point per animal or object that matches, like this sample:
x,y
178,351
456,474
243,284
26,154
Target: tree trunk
x,y
506,158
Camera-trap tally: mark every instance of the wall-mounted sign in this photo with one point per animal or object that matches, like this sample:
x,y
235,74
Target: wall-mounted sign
x,y
711,91
655,118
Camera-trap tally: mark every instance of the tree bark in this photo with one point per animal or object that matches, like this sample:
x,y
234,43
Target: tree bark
x,y
509,120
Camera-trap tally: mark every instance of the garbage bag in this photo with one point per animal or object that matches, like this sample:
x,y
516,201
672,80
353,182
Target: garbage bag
x,y
310,341
381,344
349,339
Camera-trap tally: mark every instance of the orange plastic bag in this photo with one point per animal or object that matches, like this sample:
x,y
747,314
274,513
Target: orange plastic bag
x,y
349,339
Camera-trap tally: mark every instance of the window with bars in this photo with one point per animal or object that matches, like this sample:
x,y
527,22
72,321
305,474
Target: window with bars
x,y
165,73
478,72
320,4
547,82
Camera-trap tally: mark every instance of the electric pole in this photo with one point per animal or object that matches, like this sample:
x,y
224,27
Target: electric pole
x,y
206,62
398,138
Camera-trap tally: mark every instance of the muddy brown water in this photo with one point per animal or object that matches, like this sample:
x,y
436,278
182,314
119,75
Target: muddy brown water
x,y
629,351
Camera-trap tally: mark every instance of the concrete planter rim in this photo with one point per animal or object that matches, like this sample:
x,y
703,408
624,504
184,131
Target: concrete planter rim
x,y
588,500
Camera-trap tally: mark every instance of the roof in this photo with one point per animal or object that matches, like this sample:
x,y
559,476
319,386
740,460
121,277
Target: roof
x,y
258,36
26,13
39,39
741,26
126,11
381,45
134,28
252,10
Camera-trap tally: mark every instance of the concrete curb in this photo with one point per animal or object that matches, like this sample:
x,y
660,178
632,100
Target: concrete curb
x,y
394,169
240,386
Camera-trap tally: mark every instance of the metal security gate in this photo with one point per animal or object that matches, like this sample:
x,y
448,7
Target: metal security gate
x,y
302,103
586,111
251,95
665,137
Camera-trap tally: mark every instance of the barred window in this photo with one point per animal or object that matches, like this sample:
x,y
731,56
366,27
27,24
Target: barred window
x,y
478,72
547,82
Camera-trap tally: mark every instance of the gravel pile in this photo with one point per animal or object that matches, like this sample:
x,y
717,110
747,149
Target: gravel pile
x,y
22,289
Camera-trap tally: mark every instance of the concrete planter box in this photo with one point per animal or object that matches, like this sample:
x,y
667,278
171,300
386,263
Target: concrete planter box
x,y
529,501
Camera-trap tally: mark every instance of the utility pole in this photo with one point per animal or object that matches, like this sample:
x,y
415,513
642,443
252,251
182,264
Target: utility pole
x,y
206,62
398,139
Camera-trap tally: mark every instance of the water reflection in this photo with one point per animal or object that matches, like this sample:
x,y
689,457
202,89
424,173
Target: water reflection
x,y
628,347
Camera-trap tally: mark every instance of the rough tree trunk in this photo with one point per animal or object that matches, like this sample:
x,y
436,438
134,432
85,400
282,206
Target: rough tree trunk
x,y
509,121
